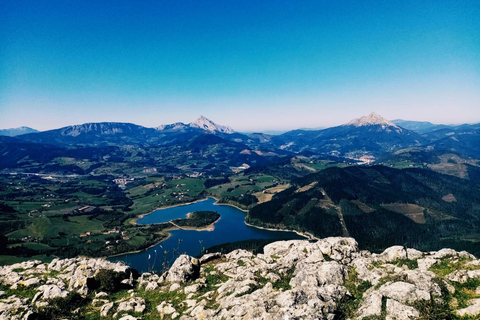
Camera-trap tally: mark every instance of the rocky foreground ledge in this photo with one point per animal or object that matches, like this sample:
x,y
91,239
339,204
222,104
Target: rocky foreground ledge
x,y
327,279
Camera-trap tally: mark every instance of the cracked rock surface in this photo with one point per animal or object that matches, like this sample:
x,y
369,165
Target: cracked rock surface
x,y
298,279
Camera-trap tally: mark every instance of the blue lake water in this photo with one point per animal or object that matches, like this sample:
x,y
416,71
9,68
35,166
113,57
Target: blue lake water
x,y
230,228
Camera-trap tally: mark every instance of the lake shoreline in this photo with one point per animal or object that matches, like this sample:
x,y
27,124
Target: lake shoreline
x,y
209,228
140,216
217,203
140,250
307,235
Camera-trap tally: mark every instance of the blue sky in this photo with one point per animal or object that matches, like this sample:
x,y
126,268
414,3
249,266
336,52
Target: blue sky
x,y
253,65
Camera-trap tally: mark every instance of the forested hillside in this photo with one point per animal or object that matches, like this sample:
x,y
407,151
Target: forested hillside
x,y
379,206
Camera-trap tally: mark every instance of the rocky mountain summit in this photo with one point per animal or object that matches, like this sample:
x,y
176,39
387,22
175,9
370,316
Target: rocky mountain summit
x,y
208,125
373,119
327,279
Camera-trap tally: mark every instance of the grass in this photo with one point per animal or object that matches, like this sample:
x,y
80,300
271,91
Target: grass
x,y
449,264
324,164
347,306
284,282
21,291
213,277
465,291
241,184
33,246
411,264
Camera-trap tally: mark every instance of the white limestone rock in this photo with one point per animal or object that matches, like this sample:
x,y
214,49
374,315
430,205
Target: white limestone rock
x,y
403,292
135,304
397,310
370,306
471,310
105,309
184,269
51,291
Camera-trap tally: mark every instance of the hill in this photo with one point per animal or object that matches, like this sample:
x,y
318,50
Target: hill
x,y
376,205
370,136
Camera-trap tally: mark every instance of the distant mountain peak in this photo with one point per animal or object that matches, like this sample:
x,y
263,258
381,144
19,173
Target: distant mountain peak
x,y
206,124
372,119
173,126
16,131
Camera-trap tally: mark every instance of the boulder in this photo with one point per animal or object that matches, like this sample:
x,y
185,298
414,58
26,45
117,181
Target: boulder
x,y
105,309
370,306
151,286
397,310
51,291
184,269
338,248
392,253
311,275
471,310
165,308
210,256
135,304
128,317
403,292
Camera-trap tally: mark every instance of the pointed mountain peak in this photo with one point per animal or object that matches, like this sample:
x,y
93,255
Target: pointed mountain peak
x,y
372,119
208,125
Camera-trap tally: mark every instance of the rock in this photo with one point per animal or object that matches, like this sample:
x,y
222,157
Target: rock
x,y
151,286
106,309
238,254
36,296
444,253
184,269
12,278
338,248
425,263
193,288
14,308
134,304
51,291
396,311
414,254
128,317
330,272
286,252
101,294
129,281
462,276
165,308
392,253
370,306
31,282
174,287
294,279
99,302
209,257
471,310
403,292
422,281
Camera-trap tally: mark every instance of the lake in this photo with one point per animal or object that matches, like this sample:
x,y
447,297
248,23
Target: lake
x,y
230,228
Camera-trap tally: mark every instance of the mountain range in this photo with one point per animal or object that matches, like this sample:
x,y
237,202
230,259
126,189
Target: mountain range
x,y
16,131
366,140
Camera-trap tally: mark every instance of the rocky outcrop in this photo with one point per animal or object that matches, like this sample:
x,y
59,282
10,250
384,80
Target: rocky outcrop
x,y
327,279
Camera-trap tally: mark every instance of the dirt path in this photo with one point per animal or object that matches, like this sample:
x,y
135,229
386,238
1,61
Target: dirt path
x,y
326,203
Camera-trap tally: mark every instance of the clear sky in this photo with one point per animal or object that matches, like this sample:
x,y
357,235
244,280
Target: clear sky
x,y
252,65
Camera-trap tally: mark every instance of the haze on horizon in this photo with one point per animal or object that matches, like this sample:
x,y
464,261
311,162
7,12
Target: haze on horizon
x,y
251,65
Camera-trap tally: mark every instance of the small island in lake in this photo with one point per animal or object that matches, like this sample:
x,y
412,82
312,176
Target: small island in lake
x,y
197,220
